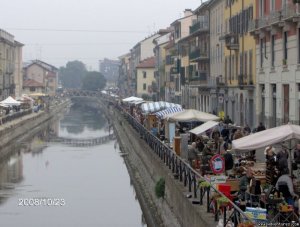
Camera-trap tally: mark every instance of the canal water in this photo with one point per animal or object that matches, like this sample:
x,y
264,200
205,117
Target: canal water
x,y
43,183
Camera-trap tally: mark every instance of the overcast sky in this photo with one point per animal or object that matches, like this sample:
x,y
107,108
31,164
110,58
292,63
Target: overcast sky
x,y
58,31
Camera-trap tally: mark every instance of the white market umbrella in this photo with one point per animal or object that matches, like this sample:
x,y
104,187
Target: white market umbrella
x,y
9,101
267,137
204,127
193,115
132,99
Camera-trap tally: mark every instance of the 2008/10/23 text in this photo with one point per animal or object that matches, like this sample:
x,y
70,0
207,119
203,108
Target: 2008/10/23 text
x,y
41,202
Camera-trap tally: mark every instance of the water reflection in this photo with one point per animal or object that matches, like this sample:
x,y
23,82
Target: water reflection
x,y
81,119
93,181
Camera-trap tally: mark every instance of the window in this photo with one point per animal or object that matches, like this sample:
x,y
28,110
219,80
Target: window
x,y
144,74
298,45
250,66
285,49
32,89
144,87
245,64
272,50
261,50
272,5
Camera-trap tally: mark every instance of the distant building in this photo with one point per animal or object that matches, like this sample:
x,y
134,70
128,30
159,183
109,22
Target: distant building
x,y
40,77
10,66
145,77
110,69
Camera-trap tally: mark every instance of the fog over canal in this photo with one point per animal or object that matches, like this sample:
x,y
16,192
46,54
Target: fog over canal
x,y
50,184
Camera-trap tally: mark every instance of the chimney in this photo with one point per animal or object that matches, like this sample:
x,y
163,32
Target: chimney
x,y
187,12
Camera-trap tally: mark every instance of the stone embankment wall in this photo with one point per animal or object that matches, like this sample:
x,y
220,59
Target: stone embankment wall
x,y
145,169
11,131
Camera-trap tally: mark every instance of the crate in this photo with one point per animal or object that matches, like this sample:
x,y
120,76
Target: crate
x,y
256,213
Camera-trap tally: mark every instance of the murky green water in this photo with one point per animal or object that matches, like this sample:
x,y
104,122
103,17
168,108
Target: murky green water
x,y
49,184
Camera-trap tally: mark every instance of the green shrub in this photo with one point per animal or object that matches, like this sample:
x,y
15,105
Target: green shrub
x,y
160,188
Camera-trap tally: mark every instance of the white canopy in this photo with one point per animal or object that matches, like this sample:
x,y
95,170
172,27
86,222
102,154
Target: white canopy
x,y
151,107
132,99
267,137
204,127
192,115
9,101
104,92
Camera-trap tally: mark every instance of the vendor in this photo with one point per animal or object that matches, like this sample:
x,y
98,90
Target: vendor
x,y
245,183
192,153
285,186
271,162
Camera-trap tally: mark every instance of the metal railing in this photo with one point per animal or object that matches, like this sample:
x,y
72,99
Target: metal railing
x,y
184,173
8,118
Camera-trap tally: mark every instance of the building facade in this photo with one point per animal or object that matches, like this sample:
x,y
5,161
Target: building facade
x,y
41,73
145,78
10,65
160,61
141,51
216,54
240,74
110,70
277,34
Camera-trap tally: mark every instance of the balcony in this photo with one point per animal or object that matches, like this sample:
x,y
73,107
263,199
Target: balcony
x,y
198,78
232,41
174,70
199,26
198,55
275,18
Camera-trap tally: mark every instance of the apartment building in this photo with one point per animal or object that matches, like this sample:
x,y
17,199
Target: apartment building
x,y
277,34
124,79
40,76
141,51
240,74
217,59
145,79
10,66
195,48
160,61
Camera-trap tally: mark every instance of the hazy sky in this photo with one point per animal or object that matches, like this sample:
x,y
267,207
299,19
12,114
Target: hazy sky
x,y
58,31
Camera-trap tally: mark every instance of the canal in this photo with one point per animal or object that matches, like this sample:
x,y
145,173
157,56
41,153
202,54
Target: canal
x,y
43,183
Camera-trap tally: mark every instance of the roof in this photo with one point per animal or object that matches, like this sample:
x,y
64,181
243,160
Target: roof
x,y
42,64
32,83
147,63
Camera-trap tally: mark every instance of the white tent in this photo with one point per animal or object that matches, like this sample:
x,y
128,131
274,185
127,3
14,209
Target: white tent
x,y
204,127
267,137
9,101
192,115
132,99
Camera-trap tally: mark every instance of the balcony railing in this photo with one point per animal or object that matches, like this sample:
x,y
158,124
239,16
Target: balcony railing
x,y
232,41
199,76
199,26
287,12
198,55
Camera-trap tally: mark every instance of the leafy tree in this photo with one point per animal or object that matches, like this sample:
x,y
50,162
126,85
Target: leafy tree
x,y
71,76
93,81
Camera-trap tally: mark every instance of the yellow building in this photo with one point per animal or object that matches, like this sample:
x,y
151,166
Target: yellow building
x,y
239,62
145,78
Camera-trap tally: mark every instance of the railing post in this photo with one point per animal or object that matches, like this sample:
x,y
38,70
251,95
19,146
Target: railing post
x,y
195,185
225,222
208,202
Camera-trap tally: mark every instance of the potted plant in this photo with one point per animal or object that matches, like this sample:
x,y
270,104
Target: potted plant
x,y
284,61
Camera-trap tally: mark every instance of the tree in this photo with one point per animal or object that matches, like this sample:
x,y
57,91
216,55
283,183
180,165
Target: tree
x,y
71,76
93,81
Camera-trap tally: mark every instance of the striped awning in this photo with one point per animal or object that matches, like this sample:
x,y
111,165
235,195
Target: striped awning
x,y
151,107
163,113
